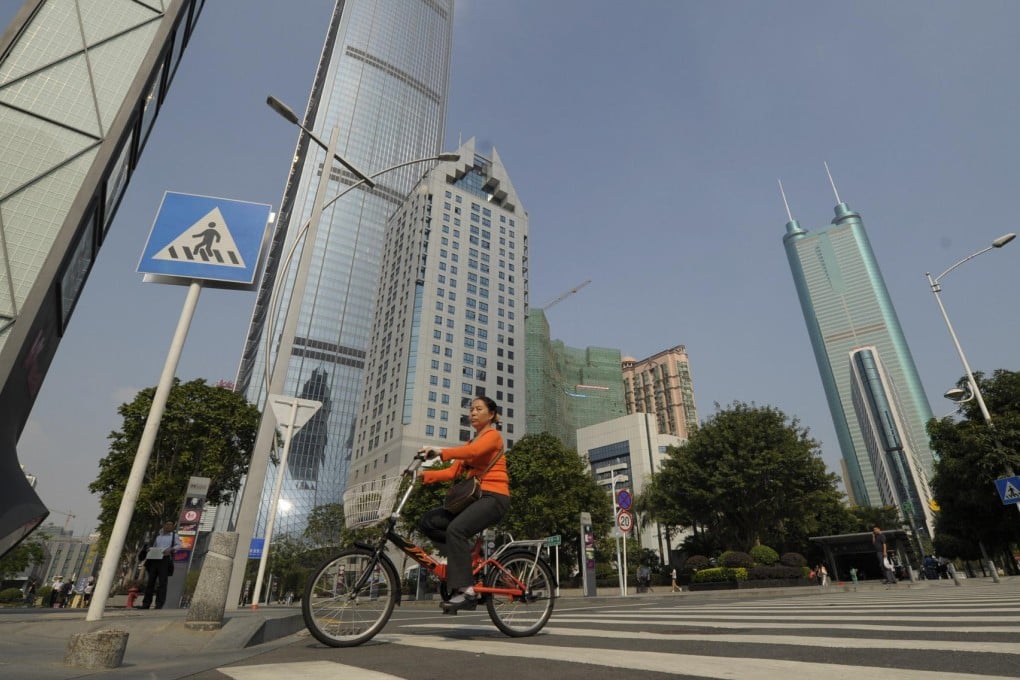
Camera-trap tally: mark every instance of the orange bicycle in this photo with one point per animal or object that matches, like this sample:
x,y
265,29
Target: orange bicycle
x,y
351,596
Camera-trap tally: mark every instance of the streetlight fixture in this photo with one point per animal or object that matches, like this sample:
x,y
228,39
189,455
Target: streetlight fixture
x,y
275,375
936,288
957,394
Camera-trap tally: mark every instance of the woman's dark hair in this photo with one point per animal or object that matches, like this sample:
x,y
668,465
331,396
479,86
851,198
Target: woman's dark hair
x,y
491,405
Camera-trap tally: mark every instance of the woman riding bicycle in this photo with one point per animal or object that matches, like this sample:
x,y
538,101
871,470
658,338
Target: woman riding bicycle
x,y
478,458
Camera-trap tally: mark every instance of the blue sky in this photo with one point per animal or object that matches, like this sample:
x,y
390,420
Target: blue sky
x,y
646,146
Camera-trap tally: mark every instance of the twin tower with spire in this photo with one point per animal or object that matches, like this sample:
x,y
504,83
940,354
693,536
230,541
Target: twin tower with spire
x,y
878,406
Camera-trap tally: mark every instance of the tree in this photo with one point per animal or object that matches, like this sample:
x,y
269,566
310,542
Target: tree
x,y
970,457
32,550
748,475
205,431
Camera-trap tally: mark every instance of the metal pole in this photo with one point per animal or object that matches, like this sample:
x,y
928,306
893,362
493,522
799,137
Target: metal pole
x,y
256,478
277,487
935,289
111,558
616,532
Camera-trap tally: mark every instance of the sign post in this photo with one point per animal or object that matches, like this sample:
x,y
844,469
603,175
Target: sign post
x,y
554,542
224,224
587,555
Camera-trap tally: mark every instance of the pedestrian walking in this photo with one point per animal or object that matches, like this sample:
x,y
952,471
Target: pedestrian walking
x,y
878,539
674,586
159,564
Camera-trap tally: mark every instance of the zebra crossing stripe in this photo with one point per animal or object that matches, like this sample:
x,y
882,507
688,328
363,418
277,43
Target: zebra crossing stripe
x,y
675,621
716,667
306,670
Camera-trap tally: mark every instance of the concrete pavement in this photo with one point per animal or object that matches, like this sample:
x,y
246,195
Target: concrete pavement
x,y
33,642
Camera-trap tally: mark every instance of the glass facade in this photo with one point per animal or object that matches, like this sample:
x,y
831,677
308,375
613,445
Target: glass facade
x,y
80,86
878,406
382,81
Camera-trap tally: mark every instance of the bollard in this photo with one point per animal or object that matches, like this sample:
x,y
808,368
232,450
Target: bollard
x,y
210,598
99,649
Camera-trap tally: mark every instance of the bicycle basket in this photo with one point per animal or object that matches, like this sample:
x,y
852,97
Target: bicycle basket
x,y
371,502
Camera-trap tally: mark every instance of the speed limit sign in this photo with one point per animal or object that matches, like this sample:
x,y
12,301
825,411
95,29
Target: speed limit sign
x,y
625,521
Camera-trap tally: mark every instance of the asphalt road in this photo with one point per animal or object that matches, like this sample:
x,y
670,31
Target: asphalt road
x,y
937,631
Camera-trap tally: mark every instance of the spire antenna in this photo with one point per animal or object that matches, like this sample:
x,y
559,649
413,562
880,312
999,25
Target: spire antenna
x,y
783,194
831,182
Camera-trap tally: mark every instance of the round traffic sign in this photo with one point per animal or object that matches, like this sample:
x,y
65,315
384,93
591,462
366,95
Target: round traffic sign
x,y
623,499
625,521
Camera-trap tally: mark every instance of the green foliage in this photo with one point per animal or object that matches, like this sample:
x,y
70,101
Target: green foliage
x,y
42,594
735,558
205,431
549,488
762,572
746,476
696,563
327,528
792,559
31,550
764,555
719,575
9,595
971,455
865,517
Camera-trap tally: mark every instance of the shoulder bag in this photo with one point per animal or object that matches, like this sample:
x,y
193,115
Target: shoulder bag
x,y
466,491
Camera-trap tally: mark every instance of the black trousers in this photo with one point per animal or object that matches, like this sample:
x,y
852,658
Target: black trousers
x,y
455,531
158,572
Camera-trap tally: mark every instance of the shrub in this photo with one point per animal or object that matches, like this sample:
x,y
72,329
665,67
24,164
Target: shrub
x,y
764,555
695,563
772,572
792,559
735,559
720,575
8,595
42,594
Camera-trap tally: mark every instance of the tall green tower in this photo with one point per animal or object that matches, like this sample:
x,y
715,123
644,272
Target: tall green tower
x,y
878,406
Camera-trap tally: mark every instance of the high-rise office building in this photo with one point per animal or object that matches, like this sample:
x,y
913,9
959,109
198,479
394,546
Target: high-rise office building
x,y
878,406
569,388
80,87
450,315
382,80
662,385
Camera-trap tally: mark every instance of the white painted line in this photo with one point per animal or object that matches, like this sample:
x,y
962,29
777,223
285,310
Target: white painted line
x,y
717,667
306,670
790,626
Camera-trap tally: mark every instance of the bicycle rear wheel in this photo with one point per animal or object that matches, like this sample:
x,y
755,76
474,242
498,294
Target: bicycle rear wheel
x,y
526,614
338,613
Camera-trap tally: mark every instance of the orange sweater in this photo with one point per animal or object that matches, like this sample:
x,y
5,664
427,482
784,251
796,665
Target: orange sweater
x,y
473,458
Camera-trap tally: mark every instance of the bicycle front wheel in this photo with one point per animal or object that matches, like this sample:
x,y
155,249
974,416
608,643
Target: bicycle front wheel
x,y
525,613
341,613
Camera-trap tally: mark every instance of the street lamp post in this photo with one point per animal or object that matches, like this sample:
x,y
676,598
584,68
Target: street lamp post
x,y
277,371
621,569
936,288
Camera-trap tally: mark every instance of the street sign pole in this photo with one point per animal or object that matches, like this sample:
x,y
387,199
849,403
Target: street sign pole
x,y
111,559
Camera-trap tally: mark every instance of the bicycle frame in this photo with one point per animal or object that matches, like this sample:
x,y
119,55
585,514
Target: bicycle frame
x,y
481,564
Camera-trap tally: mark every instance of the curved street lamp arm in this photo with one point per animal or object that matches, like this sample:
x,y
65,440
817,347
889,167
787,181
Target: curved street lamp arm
x,y
969,257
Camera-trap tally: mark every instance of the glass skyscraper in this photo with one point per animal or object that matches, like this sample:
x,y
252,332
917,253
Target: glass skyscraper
x,y
382,80
878,406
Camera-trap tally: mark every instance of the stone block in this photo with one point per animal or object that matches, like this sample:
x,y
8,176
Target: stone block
x,y
98,649
209,602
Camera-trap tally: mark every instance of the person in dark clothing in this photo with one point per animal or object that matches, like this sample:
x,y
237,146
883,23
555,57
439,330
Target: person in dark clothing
x,y
158,562
882,553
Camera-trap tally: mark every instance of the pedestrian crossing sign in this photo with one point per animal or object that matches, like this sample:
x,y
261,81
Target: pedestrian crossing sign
x,y
201,237
1009,489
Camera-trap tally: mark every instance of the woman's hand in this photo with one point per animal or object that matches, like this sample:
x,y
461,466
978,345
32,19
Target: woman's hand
x,y
429,452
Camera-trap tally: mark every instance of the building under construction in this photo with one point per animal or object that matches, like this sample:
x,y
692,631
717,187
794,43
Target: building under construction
x,y
569,388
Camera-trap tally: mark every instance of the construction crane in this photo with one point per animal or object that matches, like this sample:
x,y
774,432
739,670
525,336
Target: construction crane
x,y
564,296
68,515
